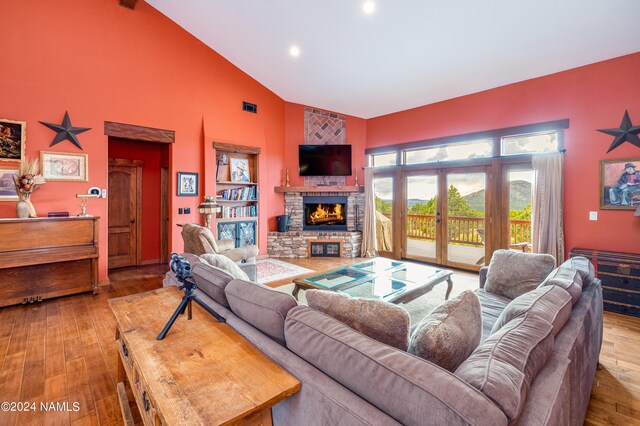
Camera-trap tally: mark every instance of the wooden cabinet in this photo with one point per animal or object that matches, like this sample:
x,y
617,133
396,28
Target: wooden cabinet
x,y
620,276
237,190
47,257
202,373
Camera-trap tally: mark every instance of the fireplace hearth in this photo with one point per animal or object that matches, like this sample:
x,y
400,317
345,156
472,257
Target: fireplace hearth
x,y
325,213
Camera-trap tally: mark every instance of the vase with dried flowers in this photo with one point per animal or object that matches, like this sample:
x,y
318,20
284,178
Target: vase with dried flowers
x,y
27,181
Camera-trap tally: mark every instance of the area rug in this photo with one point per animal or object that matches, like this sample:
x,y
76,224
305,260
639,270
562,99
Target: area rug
x,y
423,305
270,270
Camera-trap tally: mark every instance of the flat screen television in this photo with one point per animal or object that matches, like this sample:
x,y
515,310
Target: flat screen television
x,y
324,160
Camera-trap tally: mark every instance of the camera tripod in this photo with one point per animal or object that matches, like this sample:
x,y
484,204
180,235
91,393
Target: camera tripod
x,y
181,267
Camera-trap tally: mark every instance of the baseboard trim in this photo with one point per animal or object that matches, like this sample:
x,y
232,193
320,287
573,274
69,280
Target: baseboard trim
x,y
104,283
262,256
149,262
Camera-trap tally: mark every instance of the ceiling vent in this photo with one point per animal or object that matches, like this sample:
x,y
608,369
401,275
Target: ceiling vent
x,y
246,106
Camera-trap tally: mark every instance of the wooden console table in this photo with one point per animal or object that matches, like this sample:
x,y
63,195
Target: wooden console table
x,y
47,257
202,373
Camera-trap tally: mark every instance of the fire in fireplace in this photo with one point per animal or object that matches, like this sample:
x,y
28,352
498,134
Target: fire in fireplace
x,y
325,213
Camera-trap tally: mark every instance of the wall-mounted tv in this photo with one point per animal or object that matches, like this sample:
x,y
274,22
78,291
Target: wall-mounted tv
x,y
324,160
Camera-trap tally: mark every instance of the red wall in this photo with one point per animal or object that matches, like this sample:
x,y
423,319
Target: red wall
x,y
100,62
294,136
592,97
151,154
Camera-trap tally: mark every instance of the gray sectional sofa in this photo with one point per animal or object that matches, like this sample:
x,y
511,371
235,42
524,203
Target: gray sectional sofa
x,y
350,379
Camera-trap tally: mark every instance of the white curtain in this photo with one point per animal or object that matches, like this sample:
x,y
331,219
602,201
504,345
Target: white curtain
x,y
548,205
369,240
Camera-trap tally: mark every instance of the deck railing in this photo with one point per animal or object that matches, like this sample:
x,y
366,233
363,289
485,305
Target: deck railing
x,y
463,230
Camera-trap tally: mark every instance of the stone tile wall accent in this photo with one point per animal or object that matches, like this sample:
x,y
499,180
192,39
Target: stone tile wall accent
x,y
294,244
324,128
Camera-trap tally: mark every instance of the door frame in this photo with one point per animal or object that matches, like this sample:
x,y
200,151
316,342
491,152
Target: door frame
x,y
164,214
405,209
444,234
442,206
119,162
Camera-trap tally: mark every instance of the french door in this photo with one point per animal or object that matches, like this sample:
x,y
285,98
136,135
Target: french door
x,y
445,212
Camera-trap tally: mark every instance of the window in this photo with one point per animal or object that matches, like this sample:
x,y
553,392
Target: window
x,y
529,144
381,160
459,151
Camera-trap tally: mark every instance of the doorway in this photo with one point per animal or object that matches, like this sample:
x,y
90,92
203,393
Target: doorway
x,y
446,216
125,212
138,203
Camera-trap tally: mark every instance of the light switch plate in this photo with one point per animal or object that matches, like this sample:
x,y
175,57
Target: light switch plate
x,y
593,215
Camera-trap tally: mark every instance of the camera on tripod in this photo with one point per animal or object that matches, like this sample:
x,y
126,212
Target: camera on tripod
x,y
182,269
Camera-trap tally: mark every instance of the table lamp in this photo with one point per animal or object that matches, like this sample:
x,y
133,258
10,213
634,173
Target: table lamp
x,y
207,208
83,204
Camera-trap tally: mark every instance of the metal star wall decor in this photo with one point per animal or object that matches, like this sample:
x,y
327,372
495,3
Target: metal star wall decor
x,y
66,131
626,133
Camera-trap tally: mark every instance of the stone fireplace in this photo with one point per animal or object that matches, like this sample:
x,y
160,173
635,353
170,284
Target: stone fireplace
x,y
318,218
324,213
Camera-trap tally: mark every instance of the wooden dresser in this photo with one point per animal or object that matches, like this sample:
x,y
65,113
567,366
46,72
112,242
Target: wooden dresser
x,y
620,276
47,257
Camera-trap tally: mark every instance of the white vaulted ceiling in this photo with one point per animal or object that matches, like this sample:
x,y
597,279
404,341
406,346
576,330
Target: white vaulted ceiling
x,y
408,52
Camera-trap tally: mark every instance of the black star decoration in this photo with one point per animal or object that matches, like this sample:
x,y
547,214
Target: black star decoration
x,y
626,133
66,131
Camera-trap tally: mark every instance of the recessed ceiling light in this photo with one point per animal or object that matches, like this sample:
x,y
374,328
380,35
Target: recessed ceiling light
x,y
294,51
369,7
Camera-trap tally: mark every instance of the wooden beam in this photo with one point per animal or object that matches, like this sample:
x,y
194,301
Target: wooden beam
x,y
236,149
138,133
129,4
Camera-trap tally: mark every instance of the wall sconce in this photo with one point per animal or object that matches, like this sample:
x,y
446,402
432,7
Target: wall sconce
x,y
207,208
222,161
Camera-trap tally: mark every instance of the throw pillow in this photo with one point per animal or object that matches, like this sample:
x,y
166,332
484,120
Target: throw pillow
x,y
504,366
450,333
383,321
512,273
549,302
226,264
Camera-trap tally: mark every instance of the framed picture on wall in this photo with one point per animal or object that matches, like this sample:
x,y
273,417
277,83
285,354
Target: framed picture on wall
x,y
7,186
240,170
13,137
64,166
620,184
187,184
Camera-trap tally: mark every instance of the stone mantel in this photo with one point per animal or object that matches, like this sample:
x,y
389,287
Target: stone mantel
x,y
318,188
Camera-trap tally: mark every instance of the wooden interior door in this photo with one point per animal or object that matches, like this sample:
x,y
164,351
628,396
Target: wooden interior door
x,y
125,189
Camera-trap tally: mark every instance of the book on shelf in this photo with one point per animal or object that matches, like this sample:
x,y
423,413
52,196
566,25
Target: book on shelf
x,y
247,193
238,212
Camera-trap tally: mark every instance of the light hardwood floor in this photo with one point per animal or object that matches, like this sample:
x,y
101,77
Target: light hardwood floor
x,y
62,350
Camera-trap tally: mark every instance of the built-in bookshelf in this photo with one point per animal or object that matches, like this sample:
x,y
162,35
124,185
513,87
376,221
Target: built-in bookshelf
x,y
237,191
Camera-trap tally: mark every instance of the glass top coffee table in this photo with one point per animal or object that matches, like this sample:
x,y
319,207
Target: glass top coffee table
x,y
379,278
